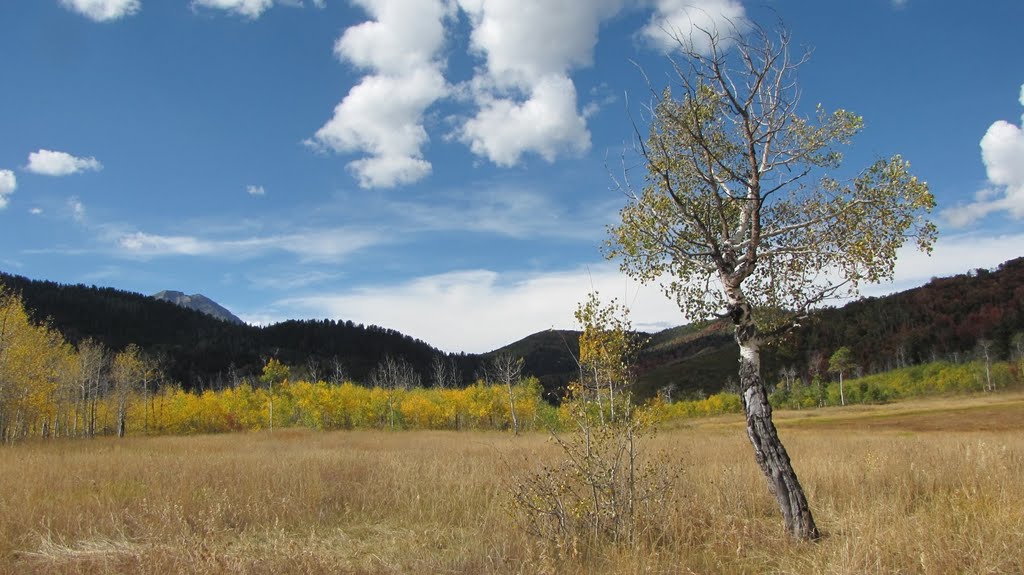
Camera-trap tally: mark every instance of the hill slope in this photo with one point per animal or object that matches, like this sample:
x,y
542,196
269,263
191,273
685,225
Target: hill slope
x,y
200,351
944,318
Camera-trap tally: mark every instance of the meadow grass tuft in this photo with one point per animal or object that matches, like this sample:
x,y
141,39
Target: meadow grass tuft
x,y
928,487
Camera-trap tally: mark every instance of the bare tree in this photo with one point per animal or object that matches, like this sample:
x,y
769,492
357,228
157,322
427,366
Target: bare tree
x,y
507,370
313,369
788,376
1017,345
985,355
393,374
93,366
666,392
444,373
740,214
338,372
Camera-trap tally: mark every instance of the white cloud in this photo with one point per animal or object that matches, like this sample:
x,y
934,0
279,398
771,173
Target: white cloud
x,y
506,210
382,116
103,10
526,40
952,254
77,209
247,8
51,163
526,99
36,211
1002,151
8,183
312,246
253,190
289,280
547,124
687,20
481,310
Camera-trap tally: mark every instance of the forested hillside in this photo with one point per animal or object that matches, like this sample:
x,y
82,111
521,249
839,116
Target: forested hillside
x,y
944,319
199,351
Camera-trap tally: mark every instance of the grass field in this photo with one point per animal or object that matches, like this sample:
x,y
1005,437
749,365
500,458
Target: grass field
x,y
930,486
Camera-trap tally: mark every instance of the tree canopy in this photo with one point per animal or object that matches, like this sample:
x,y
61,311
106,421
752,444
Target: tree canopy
x,y
745,210
744,188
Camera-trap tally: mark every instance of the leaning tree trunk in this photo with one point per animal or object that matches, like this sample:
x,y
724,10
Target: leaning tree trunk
x,y
768,449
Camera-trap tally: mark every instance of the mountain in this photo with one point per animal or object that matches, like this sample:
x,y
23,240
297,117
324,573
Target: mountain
x,y
199,351
198,302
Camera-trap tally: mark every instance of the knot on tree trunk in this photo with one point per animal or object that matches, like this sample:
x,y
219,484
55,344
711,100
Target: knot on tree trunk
x,y
743,320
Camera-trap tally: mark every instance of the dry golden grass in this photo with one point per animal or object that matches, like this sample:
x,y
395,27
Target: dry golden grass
x,y
895,498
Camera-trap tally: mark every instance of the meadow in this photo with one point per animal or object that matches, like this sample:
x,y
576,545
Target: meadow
x,y
923,486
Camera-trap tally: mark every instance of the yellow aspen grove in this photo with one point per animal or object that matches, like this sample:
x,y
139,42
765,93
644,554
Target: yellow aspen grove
x,y
744,214
34,361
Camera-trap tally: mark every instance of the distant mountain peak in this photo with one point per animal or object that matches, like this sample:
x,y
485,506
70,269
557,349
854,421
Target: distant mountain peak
x,y
200,303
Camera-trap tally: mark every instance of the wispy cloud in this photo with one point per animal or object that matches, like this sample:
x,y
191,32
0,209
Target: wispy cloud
x,y
77,209
255,190
246,8
515,212
1002,151
277,280
103,10
53,163
8,183
315,245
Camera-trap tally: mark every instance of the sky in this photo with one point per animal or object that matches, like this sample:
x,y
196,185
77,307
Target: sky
x,y
446,168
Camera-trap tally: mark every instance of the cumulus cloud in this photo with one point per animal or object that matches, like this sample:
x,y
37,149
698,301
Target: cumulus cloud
x,y
247,8
1002,151
51,163
8,183
36,211
546,123
527,101
103,10
684,20
382,116
254,190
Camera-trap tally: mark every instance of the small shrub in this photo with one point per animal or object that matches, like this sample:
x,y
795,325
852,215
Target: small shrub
x,y
602,489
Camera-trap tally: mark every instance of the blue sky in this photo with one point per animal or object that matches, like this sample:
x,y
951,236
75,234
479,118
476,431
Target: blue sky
x,y
441,167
